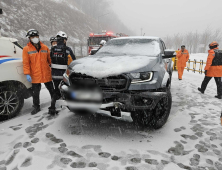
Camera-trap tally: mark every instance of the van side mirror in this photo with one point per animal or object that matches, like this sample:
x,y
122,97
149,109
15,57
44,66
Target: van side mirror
x,y
1,12
169,53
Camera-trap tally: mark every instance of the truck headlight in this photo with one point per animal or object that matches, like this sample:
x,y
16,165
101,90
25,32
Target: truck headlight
x,y
141,77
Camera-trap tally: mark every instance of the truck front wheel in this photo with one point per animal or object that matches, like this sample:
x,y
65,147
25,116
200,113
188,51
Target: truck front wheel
x,y
11,103
157,117
161,112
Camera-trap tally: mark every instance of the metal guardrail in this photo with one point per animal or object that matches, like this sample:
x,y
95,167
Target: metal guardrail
x,y
194,69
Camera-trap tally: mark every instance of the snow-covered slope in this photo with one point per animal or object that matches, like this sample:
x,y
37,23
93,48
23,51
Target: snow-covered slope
x,y
47,16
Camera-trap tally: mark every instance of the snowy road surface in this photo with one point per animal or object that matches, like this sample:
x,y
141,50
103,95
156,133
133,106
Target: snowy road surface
x,y
191,139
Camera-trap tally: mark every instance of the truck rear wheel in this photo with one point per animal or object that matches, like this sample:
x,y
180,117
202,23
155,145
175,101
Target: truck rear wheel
x,y
11,103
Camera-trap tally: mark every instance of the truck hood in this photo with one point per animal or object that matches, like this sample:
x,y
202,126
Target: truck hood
x,y
100,67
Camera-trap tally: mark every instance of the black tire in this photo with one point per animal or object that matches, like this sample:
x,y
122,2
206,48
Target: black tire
x,y
157,117
11,103
169,83
161,112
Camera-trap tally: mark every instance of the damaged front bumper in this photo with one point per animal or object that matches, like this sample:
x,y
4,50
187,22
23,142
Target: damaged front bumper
x,y
100,109
113,104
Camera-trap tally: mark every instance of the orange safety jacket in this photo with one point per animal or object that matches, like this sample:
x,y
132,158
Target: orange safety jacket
x,y
212,71
182,57
37,63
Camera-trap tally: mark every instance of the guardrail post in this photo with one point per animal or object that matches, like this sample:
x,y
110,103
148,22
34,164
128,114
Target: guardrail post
x,y
194,65
188,65
201,67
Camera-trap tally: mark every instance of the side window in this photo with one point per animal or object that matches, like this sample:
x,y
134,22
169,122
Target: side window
x,y
161,47
164,47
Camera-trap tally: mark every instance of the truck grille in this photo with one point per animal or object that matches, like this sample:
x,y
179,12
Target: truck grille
x,y
112,83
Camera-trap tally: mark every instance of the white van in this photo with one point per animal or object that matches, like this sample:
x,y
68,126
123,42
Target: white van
x,y
14,87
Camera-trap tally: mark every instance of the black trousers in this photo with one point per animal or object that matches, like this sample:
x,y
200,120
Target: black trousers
x,y
36,91
56,94
218,81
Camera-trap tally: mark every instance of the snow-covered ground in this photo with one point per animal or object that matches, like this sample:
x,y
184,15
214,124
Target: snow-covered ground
x,y
191,139
199,56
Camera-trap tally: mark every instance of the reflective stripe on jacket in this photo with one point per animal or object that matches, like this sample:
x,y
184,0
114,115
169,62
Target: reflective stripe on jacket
x,y
58,66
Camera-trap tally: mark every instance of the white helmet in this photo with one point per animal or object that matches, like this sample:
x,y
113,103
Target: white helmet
x,y
102,42
62,34
32,32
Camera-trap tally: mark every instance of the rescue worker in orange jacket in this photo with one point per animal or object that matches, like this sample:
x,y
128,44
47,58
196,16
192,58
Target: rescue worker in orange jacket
x,y
182,57
61,57
36,67
213,68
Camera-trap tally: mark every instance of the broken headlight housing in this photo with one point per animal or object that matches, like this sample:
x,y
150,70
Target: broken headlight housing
x,y
66,76
141,77
67,73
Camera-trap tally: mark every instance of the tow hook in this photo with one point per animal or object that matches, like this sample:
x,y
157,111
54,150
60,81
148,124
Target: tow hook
x,y
117,105
116,110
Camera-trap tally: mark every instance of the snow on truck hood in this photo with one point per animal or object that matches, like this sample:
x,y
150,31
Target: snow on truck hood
x,y
100,67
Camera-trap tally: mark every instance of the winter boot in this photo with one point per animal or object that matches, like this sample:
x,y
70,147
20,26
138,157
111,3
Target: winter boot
x,y
218,96
52,112
200,90
35,110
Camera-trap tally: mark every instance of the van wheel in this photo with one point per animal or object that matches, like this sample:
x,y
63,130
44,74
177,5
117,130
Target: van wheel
x,y
11,103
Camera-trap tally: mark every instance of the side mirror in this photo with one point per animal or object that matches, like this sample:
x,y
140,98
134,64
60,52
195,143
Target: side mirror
x,y
1,12
93,51
169,54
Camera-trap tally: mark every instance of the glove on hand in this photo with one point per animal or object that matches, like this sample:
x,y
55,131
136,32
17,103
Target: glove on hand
x,y
28,77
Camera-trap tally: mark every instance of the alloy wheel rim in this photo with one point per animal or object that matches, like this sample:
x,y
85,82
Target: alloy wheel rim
x,y
162,110
8,102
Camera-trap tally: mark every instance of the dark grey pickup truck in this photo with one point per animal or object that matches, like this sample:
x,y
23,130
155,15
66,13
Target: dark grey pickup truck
x,y
128,79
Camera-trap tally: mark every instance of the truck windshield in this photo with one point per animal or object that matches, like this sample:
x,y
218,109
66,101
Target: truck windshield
x,y
18,45
132,47
97,40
